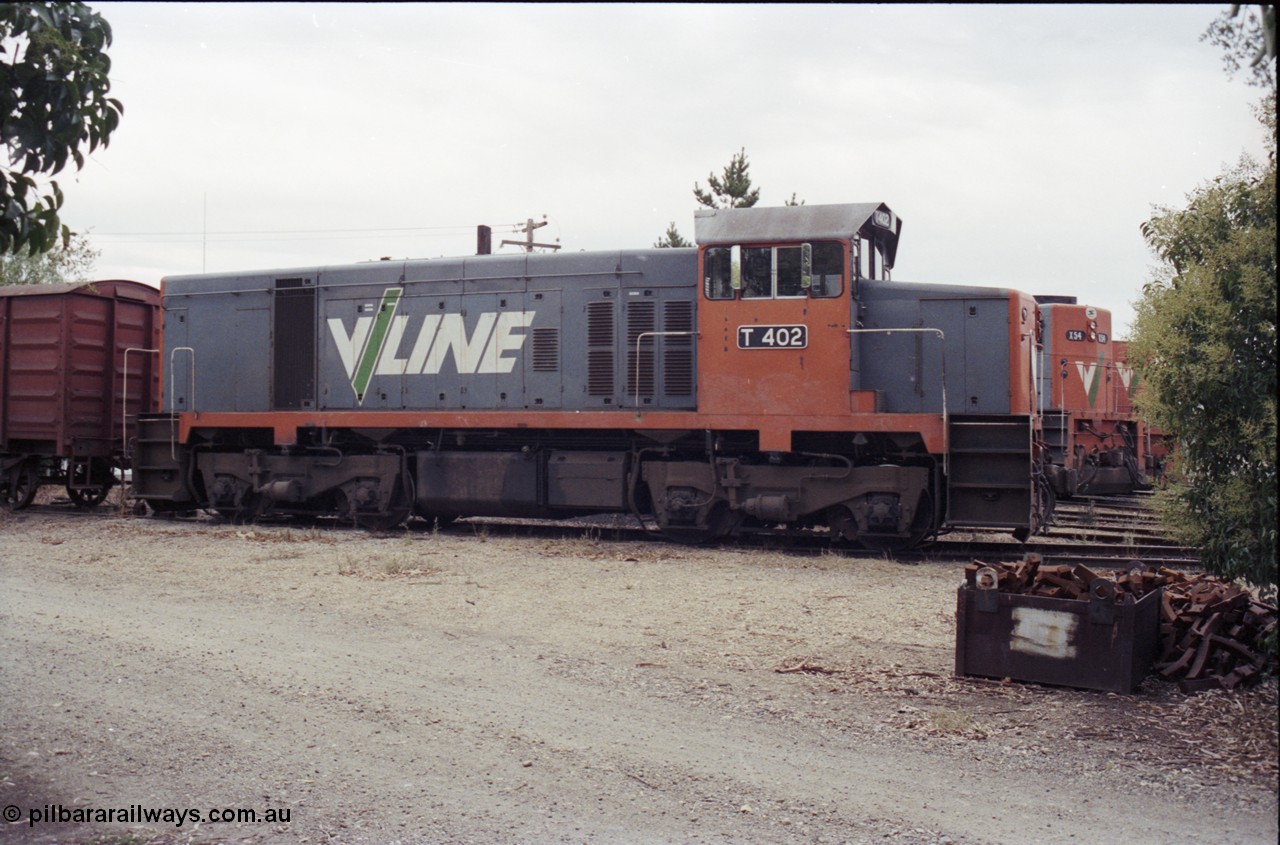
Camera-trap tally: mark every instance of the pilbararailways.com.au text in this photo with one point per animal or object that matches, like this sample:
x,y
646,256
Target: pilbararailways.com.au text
x,y
138,814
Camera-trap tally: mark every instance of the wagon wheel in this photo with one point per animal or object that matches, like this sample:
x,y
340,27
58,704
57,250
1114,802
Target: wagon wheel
x,y
23,483
82,495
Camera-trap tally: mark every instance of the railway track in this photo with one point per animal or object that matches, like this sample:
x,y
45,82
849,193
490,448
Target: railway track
x,y
1107,533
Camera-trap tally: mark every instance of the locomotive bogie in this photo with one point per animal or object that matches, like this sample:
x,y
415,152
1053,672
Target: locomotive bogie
x,y
245,485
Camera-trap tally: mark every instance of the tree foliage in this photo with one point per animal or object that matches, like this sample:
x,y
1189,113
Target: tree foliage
x,y
731,189
72,261
1205,339
1247,36
54,109
672,239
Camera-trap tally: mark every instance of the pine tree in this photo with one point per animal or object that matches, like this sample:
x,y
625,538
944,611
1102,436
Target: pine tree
x,y
733,190
672,239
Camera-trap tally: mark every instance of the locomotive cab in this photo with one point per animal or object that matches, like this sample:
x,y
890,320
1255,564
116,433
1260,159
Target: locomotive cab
x,y
776,323
775,315
844,376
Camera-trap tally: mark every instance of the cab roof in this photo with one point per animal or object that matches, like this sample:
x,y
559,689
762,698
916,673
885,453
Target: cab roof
x,y
871,220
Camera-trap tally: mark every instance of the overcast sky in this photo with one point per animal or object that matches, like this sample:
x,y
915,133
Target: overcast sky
x,y
1022,145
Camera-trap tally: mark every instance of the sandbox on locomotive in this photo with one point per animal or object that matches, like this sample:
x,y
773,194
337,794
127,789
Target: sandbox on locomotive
x,y
77,366
770,377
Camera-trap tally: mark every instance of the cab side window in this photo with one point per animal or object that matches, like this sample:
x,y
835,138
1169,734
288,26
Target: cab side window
x,y
757,273
774,272
828,268
789,283
717,282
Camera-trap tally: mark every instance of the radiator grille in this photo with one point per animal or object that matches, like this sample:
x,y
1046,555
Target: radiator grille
x,y
600,324
677,358
678,375
641,318
600,359
546,350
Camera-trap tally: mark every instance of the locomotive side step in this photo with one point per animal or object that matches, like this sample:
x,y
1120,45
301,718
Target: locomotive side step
x,y
989,478
158,469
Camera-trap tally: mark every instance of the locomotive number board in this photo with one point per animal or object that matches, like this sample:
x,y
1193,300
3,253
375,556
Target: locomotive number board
x,y
773,337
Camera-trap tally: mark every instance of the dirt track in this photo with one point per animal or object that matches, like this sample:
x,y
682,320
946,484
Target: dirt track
x,y
475,686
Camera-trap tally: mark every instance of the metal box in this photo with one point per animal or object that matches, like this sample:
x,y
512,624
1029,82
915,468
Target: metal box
x,y
1096,643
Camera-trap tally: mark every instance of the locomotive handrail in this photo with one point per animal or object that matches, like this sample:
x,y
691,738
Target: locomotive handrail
x,y
946,434
641,337
173,353
124,397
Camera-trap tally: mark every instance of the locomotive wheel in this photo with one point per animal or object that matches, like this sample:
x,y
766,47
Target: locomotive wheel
x,y
720,522
398,510
921,528
245,511
392,518
22,487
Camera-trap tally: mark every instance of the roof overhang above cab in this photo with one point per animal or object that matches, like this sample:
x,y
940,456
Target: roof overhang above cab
x,y
792,223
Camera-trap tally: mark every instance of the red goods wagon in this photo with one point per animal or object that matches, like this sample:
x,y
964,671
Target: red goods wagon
x,y
77,366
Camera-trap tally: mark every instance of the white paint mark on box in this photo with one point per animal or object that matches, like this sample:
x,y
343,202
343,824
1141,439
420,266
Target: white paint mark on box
x,y
1045,633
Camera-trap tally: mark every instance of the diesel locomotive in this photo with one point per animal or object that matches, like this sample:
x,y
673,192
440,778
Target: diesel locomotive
x,y
772,377
1096,443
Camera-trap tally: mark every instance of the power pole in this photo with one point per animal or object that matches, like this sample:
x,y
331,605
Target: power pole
x,y
528,243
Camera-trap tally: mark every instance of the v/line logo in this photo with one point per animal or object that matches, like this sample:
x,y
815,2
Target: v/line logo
x,y
372,346
1089,376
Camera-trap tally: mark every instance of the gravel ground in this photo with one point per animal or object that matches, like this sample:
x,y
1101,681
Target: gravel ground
x,y
482,685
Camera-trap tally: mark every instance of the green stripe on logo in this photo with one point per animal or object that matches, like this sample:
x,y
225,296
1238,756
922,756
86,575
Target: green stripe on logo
x,y
1093,386
373,346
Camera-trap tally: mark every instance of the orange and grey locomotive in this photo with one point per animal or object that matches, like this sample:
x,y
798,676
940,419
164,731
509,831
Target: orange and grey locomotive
x,y
772,377
1096,443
